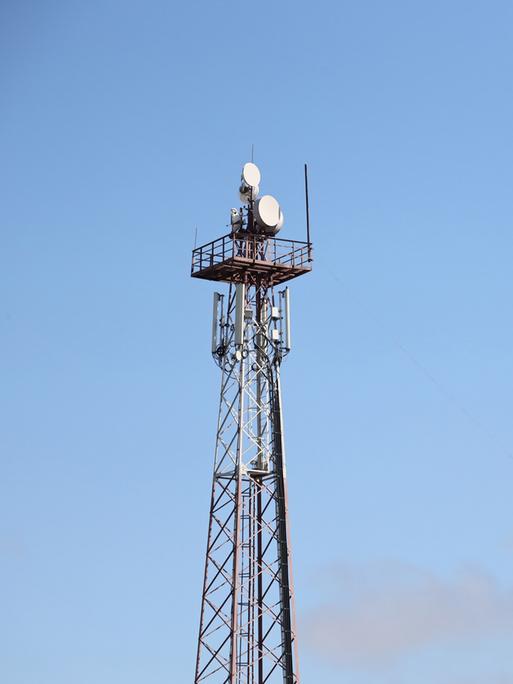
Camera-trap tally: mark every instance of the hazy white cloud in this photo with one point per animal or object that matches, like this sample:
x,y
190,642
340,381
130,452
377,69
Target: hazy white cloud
x,y
376,616
492,679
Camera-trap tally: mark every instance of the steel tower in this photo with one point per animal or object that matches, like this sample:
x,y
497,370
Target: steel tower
x,y
247,624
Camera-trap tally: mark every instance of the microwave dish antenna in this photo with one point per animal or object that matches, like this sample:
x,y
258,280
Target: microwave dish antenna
x,y
249,182
268,214
251,175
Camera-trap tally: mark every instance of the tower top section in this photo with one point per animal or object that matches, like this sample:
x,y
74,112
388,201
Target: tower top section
x,y
251,252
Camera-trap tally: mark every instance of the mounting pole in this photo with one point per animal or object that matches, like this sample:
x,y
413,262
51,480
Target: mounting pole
x,y
307,207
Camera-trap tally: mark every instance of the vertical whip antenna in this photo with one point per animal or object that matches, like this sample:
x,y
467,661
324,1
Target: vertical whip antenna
x,y
307,209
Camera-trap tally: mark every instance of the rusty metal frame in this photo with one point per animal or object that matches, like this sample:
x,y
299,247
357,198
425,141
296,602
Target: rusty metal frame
x,y
232,258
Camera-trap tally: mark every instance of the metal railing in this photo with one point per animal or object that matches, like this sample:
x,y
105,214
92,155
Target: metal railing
x,y
251,248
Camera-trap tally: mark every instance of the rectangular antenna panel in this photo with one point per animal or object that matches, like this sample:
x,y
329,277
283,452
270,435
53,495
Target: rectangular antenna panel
x,y
261,338
240,300
215,321
286,297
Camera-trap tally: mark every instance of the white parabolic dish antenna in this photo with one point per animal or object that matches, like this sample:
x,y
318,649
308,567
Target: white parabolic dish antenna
x,y
251,175
268,214
249,180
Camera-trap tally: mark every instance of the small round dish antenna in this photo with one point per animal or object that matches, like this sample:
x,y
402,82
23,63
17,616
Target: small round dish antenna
x,y
268,214
250,181
236,220
251,175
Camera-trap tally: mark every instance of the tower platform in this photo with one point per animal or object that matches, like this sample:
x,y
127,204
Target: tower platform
x,y
237,259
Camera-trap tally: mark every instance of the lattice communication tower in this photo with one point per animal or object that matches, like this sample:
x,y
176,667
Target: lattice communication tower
x,y
247,625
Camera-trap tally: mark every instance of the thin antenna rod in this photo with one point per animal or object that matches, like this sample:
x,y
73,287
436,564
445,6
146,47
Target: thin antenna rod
x,y
195,236
307,207
252,150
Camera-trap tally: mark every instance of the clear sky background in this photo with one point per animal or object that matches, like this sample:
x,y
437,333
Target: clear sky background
x,y
123,125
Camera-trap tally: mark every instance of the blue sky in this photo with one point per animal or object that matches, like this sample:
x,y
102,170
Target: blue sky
x,y
123,125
